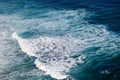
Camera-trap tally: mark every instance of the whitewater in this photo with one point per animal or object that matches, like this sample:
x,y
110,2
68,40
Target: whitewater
x,y
60,41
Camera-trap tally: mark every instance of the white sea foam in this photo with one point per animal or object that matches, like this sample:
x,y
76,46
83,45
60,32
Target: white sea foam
x,y
56,55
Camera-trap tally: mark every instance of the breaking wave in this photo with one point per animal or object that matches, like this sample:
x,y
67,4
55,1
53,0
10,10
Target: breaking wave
x,y
60,38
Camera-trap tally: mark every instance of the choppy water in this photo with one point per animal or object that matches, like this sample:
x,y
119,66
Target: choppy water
x,y
65,39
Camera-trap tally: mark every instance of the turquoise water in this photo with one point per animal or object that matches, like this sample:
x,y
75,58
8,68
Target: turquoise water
x,y
59,40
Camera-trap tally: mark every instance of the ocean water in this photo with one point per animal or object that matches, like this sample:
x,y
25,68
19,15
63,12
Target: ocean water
x,y
59,40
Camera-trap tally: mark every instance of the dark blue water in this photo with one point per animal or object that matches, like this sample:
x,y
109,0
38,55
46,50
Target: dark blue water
x,y
58,18
106,12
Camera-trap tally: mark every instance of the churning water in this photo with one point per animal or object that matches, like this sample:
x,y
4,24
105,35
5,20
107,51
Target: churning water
x,y
59,39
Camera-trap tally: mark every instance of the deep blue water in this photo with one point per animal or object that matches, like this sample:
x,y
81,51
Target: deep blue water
x,y
42,23
106,12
